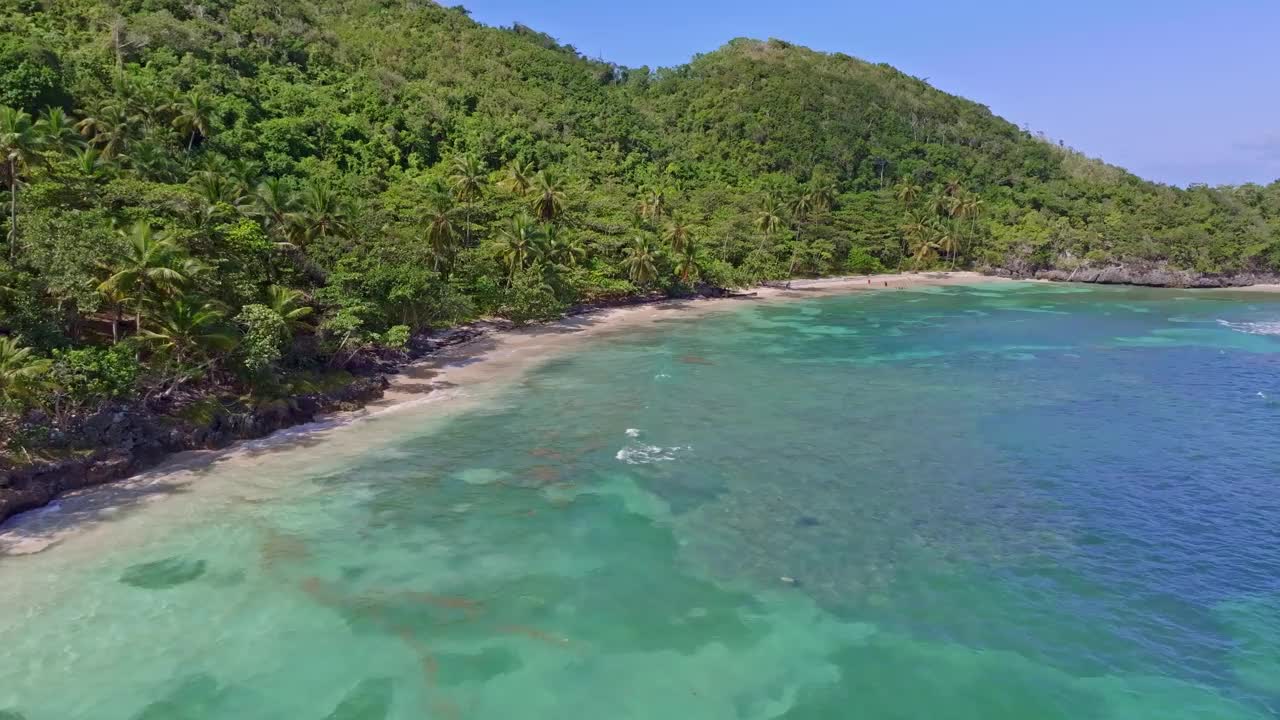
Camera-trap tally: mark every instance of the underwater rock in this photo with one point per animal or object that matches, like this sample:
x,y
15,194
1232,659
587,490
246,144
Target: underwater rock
x,y
163,574
194,699
370,699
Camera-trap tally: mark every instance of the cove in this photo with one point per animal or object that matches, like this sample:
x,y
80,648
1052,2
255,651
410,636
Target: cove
x,y
998,501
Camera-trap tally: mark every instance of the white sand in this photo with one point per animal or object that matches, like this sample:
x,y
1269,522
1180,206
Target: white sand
x,y
425,392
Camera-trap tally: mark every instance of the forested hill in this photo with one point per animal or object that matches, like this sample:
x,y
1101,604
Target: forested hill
x,y
208,193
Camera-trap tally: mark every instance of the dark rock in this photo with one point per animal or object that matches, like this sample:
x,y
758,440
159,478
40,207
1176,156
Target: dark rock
x,y
108,469
1139,274
163,574
197,697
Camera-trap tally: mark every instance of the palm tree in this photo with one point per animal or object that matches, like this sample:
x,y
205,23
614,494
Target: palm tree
x,y
560,249
942,204
322,213
519,240
151,262
216,188
467,179
244,173
194,114
150,159
20,369
108,127
678,235
653,204
769,216
687,265
641,263
19,149
548,198
89,162
274,204
822,192
290,305
916,229
801,205
971,208
184,328
907,191
954,186
116,299
441,235
57,131
518,177
947,240
924,251
151,106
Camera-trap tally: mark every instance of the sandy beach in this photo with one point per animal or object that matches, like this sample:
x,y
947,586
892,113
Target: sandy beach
x,y
500,356
425,392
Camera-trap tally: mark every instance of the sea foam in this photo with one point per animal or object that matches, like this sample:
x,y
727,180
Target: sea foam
x,y
639,454
1268,327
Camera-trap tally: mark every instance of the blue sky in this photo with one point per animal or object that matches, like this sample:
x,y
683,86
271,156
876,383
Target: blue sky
x,y
1176,91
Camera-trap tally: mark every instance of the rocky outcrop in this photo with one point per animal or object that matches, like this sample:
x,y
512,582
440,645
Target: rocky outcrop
x,y
1141,275
118,441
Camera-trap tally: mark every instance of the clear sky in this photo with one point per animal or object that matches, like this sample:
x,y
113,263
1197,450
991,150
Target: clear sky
x,y
1178,91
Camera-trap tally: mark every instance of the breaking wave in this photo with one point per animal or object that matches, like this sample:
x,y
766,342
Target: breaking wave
x,y
1269,327
638,454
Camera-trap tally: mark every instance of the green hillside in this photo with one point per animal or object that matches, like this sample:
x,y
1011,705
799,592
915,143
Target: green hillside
x,y
238,194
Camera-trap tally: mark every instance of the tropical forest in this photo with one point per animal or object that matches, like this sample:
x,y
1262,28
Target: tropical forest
x,y
234,201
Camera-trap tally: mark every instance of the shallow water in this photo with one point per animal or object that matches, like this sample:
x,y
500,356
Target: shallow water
x,y
1003,501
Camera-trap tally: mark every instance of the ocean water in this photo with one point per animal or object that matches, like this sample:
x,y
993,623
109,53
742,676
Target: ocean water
x,y
989,502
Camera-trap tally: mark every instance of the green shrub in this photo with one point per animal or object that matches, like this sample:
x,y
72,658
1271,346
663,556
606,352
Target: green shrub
x,y
396,337
594,283
761,264
861,262
87,377
264,336
721,274
530,299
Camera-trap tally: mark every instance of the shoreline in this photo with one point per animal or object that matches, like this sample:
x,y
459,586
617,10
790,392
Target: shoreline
x,y
461,359
488,358
504,353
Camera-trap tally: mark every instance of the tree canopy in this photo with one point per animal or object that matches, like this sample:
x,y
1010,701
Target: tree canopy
x,y
308,177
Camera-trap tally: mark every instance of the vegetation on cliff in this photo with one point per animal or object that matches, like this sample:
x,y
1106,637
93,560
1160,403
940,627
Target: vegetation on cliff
x,y
223,194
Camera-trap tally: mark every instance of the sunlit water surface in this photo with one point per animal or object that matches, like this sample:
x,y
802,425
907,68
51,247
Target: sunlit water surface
x,y
989,502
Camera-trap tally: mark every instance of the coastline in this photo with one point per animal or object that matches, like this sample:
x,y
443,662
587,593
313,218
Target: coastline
x,y
488,357
508,353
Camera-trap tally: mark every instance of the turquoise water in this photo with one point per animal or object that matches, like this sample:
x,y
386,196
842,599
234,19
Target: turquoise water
x,y
999,501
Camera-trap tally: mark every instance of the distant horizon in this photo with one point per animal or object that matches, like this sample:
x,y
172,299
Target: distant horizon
x,y
1182,109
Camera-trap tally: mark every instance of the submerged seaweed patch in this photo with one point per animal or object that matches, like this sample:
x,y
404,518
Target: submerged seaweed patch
x,y
370,699
163,574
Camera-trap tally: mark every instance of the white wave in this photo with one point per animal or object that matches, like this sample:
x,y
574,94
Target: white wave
x,y
637,454
1270,327
482,476
633,432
